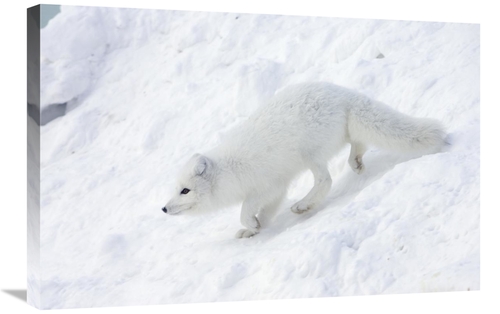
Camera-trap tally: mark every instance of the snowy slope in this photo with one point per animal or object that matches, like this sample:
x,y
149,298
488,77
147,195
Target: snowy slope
x,y
147,89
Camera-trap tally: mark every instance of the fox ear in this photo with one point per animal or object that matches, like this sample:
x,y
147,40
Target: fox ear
x,y
202,164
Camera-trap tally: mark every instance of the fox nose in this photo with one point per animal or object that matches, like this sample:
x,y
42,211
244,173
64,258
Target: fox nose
x,y
164,209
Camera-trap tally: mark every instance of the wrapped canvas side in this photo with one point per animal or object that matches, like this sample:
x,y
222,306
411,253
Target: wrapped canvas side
x,y
33,116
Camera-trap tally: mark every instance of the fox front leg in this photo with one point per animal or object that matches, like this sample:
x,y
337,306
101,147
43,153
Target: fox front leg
x,y
248,218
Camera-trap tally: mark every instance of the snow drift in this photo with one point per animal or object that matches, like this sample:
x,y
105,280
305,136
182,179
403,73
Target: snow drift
x,y
144,90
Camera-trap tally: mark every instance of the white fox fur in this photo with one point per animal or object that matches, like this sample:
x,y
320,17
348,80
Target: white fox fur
x,y
301,127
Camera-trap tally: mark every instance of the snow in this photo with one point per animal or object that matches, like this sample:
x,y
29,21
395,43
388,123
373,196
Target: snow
x,y
147,89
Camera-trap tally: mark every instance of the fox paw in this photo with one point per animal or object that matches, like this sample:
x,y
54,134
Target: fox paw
x,y
301,207
245,233
359,168
357,165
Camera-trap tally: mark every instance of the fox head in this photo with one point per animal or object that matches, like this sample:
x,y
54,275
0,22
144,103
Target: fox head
x,y
193,186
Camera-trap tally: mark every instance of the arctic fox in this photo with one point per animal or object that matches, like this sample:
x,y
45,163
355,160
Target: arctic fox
x,y
302,127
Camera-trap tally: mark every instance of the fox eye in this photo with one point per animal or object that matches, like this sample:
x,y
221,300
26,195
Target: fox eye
x,y
185,191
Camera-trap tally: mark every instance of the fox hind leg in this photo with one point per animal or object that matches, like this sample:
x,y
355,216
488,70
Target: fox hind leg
x,y
356,157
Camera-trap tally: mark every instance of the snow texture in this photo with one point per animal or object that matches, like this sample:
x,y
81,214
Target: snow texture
x,y
147,89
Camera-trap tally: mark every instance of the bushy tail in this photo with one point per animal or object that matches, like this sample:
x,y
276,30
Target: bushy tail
x,y
374,123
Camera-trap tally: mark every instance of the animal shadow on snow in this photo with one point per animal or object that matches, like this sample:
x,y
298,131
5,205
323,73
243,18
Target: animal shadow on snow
x,y
345,187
